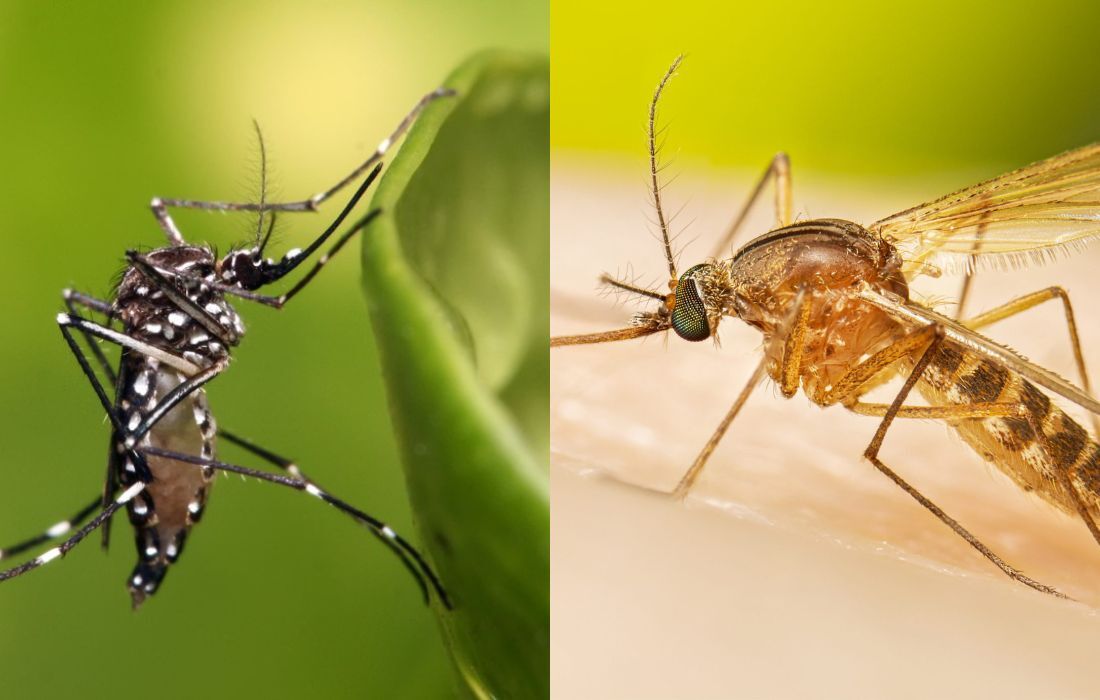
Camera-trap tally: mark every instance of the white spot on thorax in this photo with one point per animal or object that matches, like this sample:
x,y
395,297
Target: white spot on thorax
x,y
141,385
177,318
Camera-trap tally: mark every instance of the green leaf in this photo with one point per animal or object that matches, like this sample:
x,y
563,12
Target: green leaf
x,y
456,276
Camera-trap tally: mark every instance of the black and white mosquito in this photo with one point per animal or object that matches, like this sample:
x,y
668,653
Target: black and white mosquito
x,y
176,331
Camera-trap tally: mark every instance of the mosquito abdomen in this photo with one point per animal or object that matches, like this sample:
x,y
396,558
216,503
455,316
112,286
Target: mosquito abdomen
x,y
1037,463
162,516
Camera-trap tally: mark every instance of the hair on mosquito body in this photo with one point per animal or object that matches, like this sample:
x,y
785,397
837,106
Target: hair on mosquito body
x,y
831,299
172,316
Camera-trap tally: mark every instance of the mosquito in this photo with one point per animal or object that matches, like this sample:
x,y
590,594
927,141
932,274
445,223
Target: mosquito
x,y
831,298
176,331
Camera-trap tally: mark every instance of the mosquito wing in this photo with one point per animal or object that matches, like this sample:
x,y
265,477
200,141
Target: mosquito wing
x,y
1028,215
975,342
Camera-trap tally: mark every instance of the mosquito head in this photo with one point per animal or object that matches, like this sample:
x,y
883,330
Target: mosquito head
x,y
693,308
249,270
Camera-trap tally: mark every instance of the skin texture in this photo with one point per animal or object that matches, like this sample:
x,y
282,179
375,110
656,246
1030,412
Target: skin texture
x,y
710,596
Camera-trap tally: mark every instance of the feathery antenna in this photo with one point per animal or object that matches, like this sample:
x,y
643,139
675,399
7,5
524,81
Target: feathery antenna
x,y
261,239
654,170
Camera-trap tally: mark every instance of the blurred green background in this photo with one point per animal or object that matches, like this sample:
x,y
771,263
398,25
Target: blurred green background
x,y
904,90
104,107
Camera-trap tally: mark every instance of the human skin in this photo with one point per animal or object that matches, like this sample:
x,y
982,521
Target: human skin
x,y
793,568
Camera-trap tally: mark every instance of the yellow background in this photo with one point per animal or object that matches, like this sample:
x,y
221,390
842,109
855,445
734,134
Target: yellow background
x,y
864,88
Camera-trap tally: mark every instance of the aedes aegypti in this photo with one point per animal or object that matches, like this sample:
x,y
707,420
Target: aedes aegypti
x,y
832,301
177,328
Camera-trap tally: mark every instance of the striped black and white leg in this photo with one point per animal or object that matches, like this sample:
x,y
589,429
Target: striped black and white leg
x,y
137,429
160,205
66,324
385,534
74,299
409,554
84,326
59,551
54,531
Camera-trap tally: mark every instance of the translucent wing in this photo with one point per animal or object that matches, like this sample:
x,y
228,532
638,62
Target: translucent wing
x,y
975,342
1028,215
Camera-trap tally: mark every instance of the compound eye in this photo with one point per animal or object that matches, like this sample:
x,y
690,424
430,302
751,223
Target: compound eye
x,y
689,316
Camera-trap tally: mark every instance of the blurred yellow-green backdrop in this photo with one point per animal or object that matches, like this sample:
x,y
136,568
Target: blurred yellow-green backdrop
x,y
864,88
103,107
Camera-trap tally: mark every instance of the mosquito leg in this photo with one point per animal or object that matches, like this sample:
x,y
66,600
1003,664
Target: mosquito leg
x,y
1028,301
283,463
54,531
291,468
312,203
171,400
689,477
60,550
871,453
273,271
73,299
279,301
66,321
968,276
789,380
778,169
794,345
140,466
379,528
849,386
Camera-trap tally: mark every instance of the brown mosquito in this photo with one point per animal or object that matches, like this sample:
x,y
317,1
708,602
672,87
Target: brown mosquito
x,y
831,298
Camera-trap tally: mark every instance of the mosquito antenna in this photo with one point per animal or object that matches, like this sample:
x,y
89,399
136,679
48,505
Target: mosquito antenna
x,y
261,239
654,169
267,235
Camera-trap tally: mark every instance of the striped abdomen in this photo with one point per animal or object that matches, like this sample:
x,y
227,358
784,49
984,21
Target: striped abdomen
x,y
957,376
163,514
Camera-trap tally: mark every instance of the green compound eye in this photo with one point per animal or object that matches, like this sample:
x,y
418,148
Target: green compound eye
x,y
689,317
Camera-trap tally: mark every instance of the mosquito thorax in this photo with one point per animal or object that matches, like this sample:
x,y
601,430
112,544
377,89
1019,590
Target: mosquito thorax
x,y
826,258
151,315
